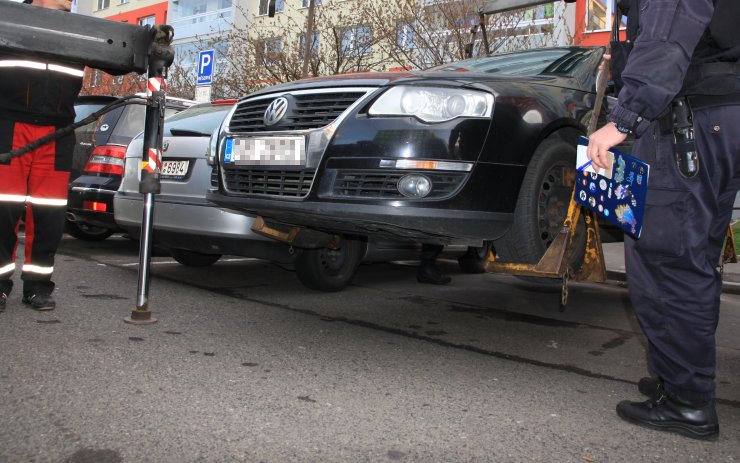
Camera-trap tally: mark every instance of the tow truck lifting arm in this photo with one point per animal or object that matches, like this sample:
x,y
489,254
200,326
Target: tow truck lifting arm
x,y
72,38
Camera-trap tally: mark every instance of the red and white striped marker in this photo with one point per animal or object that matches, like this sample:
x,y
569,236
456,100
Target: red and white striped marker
x,y
153,161
155,84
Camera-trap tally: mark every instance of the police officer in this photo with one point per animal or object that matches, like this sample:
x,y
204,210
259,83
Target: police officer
x,y
38,97
684,65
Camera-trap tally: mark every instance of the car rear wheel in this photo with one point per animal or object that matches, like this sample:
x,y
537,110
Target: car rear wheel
x,y
327,269
85,232
194,259
543,203
475,260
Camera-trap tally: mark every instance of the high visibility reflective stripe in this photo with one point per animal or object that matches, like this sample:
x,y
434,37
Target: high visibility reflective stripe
x,y
32,200
38,269
46,201
17,63
66,70
13,198
7,269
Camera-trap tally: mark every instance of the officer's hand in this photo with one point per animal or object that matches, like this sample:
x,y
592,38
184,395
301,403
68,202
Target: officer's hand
x,y
600,142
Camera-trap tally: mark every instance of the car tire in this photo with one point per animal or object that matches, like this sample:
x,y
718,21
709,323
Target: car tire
x,y
475,259
541,208
327,269
85,232
193,259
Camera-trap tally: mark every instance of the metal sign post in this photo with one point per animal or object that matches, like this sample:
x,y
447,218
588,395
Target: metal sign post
x,y
161,56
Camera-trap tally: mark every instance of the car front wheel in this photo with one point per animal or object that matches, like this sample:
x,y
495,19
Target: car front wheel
x,y
327,269
542,206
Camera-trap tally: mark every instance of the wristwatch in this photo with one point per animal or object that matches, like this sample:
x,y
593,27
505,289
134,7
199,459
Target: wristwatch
x,y
623,129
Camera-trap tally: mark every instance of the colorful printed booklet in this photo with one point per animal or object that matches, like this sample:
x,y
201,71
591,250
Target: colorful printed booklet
x,y
617,194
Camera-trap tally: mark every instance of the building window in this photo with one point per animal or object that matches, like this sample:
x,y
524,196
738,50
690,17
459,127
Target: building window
x,y
279,6
268,51
315,39
95,78
405,36
147,20
357,41
599,16
102,4
307,2
543,12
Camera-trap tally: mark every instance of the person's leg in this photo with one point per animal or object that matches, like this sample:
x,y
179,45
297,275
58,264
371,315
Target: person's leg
x,y
13,187
672,272
47,201
428,271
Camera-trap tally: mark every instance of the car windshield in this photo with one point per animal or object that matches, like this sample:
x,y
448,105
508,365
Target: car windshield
x,y
553,61
196,120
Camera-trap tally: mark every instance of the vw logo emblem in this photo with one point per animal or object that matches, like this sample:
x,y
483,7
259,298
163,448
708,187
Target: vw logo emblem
x,y
275,111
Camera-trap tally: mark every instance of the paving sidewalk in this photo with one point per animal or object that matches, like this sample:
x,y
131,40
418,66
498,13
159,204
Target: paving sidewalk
x,y
614,257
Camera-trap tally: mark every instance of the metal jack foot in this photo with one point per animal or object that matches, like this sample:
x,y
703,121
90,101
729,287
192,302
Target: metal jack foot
x,y
140,316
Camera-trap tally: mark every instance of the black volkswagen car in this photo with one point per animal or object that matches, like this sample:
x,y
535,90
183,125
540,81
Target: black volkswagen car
x,y
474,152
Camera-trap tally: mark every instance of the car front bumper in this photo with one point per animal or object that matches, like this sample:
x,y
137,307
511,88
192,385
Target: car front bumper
x,y
421,224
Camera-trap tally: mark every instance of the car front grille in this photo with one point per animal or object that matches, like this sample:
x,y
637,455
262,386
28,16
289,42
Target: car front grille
x,y
308,110
214,177
374,184
295,184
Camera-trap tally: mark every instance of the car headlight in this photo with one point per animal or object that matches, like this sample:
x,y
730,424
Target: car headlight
x,y
213,147
433,104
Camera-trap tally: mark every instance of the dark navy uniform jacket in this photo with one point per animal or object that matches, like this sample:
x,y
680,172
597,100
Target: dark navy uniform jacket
x,y
672,35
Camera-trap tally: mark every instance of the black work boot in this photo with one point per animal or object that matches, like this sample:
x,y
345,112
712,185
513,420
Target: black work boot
x,y
40,301
3,301
650,387
698,421
430,273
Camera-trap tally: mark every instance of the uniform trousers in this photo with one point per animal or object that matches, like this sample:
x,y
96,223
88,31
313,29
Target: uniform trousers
x,y
33,187
673,268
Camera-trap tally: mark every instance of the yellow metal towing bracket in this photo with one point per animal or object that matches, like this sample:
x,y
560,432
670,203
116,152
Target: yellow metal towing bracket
x,y
555,262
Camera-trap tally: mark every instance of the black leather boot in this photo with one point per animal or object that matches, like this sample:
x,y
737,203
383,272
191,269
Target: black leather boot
x,y
698,421
430,273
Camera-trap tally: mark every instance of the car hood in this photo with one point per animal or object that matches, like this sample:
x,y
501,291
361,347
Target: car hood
x,y
381,79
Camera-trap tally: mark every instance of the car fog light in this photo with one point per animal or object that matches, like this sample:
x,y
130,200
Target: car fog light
x,y
414,186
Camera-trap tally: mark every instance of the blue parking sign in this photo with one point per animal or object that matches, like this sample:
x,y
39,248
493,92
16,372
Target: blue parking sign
x,y
205,67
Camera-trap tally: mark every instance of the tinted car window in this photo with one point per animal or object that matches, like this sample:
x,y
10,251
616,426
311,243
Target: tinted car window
x,y
120,126
106,124
561,61
84,110
199,119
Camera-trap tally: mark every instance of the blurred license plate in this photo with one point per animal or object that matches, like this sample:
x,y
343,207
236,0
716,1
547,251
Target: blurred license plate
x,y
268,151
174,169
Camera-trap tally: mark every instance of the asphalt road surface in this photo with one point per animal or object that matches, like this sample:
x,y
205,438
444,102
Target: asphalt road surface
x,y
246,365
